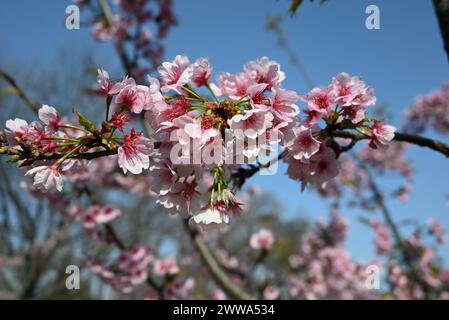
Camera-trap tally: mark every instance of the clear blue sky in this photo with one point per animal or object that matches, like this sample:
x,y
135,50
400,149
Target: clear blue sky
x,y
403,59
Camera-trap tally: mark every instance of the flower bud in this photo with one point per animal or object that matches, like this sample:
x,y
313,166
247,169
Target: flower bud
x,y
14,158
228,196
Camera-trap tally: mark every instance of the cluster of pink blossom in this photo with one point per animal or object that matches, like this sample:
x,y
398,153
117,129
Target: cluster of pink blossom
x,y
94,215
341,105
437,230
431,110
132,21
324,269
383,239
202,139
53,146
202,142
232,123
166,267
433,279
128,270
354,177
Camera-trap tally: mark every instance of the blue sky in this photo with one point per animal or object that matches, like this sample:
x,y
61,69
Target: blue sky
x,y
401,60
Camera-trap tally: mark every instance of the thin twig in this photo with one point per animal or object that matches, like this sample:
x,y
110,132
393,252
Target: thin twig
x,y
18,90
407,255
109,18
217,273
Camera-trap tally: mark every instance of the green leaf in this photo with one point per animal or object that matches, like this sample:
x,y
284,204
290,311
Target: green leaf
x,y
86,123
294,6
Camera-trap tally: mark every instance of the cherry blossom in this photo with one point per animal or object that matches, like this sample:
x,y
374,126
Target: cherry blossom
x,y
263,239
175,74
201,72
50,118
382,134
134,154
166,267
46,177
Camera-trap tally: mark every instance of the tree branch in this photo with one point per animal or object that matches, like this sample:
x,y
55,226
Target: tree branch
x,y
217,273
407,255
107,13
435,145
33,106
442,12
245,173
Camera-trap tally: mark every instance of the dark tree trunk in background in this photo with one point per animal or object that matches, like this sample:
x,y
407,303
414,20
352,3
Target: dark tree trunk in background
x,y
442,12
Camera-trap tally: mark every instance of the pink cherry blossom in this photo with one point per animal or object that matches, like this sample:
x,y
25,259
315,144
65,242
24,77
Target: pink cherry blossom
x,y
381,135
271,293
175,74
234,85
266,71
49,116
201,72
16,128
431,110
437,229
383,237
283,104
180,289
346,88
211,216
166,267
324,166
304,144
134,153
320,100
132,97
104,81
46,178
218,294
263,239
118,120
96,215
183,199
252,123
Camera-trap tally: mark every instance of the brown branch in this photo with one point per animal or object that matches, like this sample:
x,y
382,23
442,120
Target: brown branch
x,y
243,174
217,273
435,145
29,158
107,13
442,13
119,243
404,248
30,103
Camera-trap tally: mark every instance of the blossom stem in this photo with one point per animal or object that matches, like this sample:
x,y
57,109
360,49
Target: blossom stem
x,y
20,93
111,134
69,126
193,92
191,99
62,139
60,161
66,144
211,91
108,105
